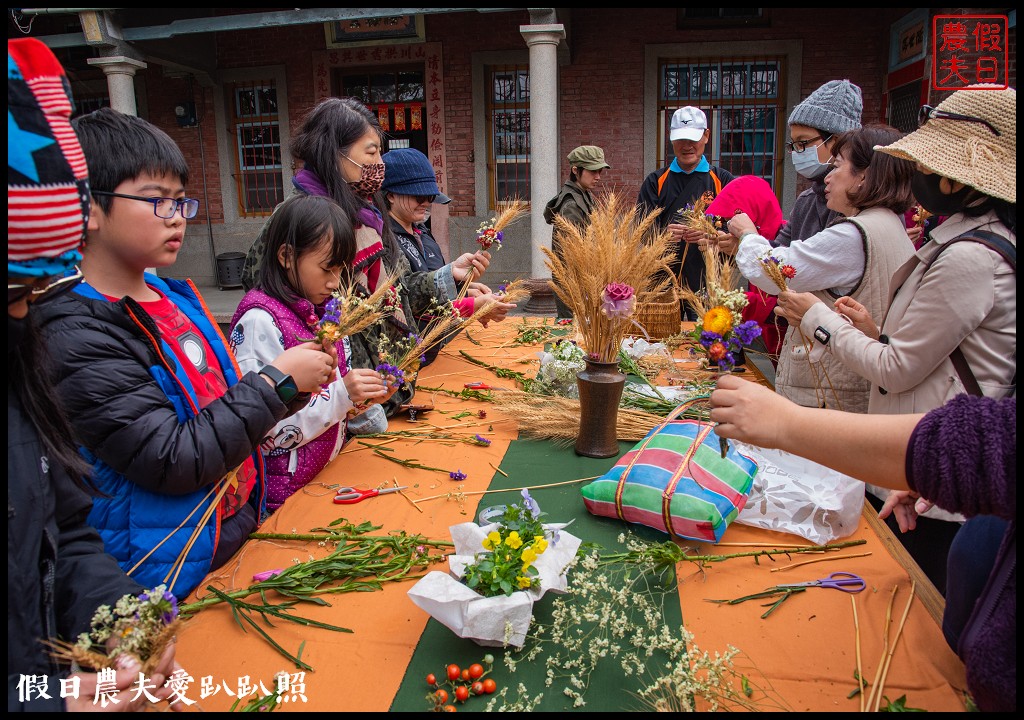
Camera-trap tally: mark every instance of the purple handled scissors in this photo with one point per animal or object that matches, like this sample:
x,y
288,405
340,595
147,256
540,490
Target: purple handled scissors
x,y
350,496
844,581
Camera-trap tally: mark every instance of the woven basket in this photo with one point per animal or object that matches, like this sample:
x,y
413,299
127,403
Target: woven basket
x,y
659,315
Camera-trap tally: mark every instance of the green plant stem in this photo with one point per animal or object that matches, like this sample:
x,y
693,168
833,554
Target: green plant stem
x,y
669,553
525,382
464,394
410,463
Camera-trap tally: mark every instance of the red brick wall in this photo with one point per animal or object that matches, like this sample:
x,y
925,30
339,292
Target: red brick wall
x,y
601,88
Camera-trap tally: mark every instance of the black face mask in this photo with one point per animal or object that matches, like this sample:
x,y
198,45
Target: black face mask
x,y
926,190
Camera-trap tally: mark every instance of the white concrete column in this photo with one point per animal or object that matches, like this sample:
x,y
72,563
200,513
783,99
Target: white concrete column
x,y
120,72
543,43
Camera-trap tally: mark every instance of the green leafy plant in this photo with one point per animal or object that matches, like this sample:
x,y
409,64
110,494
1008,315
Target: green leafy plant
x,y
506,565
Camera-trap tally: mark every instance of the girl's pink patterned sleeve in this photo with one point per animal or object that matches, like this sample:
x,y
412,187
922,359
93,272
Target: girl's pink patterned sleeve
x,y
464,306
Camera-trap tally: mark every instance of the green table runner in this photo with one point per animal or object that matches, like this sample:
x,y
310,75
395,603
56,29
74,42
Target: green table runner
x,y
528,463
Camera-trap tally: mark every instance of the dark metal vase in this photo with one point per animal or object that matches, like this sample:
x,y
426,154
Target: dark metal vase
x,y
600,385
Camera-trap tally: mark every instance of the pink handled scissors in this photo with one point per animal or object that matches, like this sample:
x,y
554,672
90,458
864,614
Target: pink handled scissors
x,y
350,496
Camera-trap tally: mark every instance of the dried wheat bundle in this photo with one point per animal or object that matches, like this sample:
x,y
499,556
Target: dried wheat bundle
x,y
776,271
620,249
66,653
348,313
514,291
720,278
556,418
654,365
694,216
492,232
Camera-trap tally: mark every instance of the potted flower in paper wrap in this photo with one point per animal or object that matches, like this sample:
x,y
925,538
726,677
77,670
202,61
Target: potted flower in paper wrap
x,y
499,570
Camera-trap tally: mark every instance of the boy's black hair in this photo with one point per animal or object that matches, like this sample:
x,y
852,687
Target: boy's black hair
x,y
121,147
300,223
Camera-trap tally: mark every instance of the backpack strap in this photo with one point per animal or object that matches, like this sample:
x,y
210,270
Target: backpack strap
x,y
663,178
1005,249
996,243
714,179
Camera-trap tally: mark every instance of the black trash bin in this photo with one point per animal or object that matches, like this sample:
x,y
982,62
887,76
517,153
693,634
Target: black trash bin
x,y
229,269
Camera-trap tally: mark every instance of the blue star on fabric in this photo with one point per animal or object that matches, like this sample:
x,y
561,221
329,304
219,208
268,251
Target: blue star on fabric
x,y
20,146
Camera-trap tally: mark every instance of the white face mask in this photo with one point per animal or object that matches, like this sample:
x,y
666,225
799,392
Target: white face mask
x,y
808,165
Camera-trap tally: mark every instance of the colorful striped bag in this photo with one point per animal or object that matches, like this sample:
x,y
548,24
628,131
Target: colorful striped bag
x,y
676,480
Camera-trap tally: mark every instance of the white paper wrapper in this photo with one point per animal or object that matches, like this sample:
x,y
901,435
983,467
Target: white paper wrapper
x,y
481,619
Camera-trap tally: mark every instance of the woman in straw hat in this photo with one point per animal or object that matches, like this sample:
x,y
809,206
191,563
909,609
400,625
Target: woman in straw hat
x,y
951,324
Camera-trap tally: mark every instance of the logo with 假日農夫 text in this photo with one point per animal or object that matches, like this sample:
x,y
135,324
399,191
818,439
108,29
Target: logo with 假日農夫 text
x,y
970,50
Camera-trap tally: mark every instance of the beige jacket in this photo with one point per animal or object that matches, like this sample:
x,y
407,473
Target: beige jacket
x,y
816,379
967,298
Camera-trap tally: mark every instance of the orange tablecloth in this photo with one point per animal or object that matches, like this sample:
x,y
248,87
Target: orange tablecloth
x,y
805,650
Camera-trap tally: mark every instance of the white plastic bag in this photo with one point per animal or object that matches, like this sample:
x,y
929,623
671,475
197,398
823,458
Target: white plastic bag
x,y
491,621
794,495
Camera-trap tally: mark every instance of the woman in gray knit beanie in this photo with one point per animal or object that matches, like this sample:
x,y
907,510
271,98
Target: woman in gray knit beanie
x,y
833,108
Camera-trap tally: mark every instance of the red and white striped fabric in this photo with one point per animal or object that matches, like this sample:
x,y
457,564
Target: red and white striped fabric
x,y
47,176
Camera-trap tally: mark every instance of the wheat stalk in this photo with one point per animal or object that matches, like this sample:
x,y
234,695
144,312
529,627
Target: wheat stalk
x,y
557,418
618,246
720,274
696,218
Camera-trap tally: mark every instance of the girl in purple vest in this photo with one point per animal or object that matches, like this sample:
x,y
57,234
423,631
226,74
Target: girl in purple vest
x,y
310,246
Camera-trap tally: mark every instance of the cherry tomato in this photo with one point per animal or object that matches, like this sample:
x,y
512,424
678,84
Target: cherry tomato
x,y
450,708
431,679
489,659
454,671
462,693
475,671
442,696
489,685
465,675
477,688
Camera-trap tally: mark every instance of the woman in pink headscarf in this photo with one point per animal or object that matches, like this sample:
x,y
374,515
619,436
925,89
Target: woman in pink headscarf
x,y
752,195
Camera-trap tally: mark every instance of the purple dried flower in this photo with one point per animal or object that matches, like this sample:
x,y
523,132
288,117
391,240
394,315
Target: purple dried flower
x,y
747,332
481,440
529,503
457,475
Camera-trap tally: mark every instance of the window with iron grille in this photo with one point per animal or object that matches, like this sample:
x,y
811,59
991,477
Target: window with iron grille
x,y
743,100
258,159
397,96
904,102
508,133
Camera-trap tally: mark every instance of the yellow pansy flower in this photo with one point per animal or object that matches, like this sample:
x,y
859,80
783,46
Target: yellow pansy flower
x,y
513,540
529,555
540,544
524,582
492,540
718,320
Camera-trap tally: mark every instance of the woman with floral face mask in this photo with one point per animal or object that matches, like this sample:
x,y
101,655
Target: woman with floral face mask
x,y
339,145
951,324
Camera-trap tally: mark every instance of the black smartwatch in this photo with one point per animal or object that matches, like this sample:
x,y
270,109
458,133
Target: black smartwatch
x,y
284,385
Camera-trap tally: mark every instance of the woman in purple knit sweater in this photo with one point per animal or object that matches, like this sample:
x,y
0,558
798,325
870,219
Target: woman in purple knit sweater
x,y
962,455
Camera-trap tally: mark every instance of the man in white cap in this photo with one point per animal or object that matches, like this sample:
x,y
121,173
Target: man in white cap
x,y
672,188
